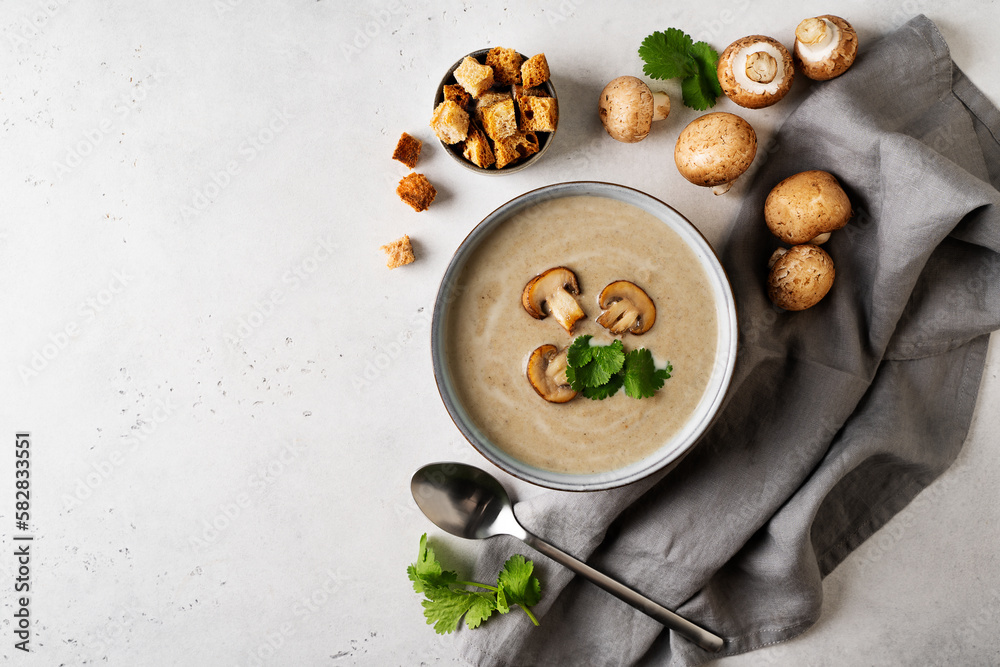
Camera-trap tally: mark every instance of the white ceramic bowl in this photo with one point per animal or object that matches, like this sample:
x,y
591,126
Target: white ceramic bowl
x,y
705,410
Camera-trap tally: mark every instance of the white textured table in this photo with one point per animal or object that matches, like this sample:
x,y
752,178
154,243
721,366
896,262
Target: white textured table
x,y
227,391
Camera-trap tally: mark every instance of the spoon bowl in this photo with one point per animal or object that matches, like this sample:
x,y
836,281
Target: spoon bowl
x,y
470,503
464,501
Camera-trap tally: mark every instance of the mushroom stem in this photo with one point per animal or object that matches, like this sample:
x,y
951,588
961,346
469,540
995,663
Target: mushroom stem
x,y
722,189
565,308
811,31
761,67
821,239
557,369
661,105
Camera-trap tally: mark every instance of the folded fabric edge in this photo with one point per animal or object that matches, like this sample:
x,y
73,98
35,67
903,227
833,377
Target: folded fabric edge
x,y
976,102
938,46
754,641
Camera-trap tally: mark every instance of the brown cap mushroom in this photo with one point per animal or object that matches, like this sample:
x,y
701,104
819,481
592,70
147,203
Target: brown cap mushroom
x,y
714,149
628,108
547,374
626,308
800,276
806,207
755,71
555,289
825,46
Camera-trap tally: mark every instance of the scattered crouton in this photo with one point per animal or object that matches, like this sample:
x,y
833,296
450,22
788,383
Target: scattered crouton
x,y
398,253
535,71
416,191
407,150
506,64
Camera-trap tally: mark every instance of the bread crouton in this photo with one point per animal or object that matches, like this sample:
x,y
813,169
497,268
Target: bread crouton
x,y
499,120
398,253
506,64
407,150
450,122
539,114
477,149
416,191
522,91
474,77
487,100
457,94
515,147
535,71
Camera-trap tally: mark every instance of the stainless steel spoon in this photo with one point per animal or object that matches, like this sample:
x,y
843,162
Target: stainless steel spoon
x,y
471,503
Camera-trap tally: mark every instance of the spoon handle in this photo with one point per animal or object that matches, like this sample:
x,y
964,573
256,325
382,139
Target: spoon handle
x,y
682,626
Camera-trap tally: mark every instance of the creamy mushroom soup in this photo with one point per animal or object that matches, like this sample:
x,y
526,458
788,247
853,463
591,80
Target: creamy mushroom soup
x,y
490,336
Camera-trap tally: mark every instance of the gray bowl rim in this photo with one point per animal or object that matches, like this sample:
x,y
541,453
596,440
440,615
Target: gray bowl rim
x,y
705,412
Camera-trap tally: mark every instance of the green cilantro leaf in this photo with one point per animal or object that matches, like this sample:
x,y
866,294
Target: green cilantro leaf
x,y
673,55
519,584
599,371
502,605
700,90
580,352
605,390
444,607
427,572
667,55
642,379
605,361
481,608
447,600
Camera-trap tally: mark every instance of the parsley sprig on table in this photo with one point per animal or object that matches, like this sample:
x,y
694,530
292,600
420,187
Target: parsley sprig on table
x,y
674,55
447,599
599,371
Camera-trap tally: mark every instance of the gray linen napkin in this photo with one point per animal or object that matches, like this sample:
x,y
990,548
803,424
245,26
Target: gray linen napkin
x,y
837,416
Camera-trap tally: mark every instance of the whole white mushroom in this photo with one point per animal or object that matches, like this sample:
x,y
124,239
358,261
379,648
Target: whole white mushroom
x,y
755,71
825,46
628,108
715,149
